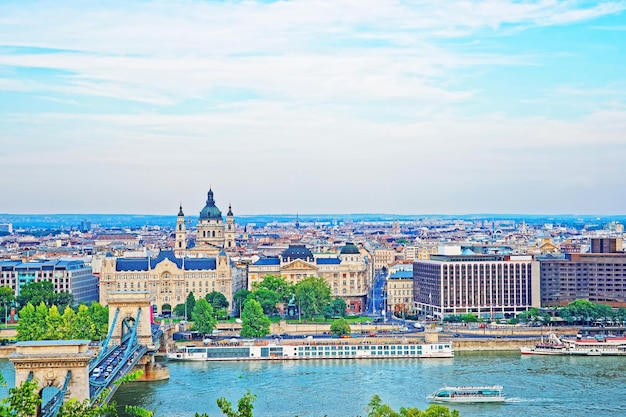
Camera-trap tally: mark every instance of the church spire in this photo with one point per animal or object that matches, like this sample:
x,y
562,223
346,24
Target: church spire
x,y
180,210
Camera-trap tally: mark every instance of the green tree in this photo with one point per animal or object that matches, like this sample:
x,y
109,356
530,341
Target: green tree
x,y
179,310
54,324
190,303
239,298
436,410
69,316
339,307
376,408
603,311
340,327
6,297
83,326
468,318
43,291
244,406
254,322
277,284
203,317
62,299
566,314
23,401
313,294
267,298
584,309
26,326
41,315
217,300
100,316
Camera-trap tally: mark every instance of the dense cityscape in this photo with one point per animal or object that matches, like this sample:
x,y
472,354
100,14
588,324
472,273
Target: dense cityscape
x,y
432,267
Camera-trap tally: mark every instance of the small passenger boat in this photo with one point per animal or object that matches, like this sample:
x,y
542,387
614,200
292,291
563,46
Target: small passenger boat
x,y
468,394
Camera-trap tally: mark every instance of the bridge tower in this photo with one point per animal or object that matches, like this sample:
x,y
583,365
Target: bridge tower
x,y
124,308
62,365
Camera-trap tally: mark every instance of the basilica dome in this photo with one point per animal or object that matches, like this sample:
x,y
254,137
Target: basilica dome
x,y
210,211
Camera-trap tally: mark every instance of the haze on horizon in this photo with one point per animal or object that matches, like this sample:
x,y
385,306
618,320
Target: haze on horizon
x,y
327,106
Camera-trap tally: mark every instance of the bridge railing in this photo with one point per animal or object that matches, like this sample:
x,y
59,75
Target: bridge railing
x,y
101,396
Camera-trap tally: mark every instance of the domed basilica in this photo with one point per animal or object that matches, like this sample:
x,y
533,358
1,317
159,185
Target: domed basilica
x,y
212,234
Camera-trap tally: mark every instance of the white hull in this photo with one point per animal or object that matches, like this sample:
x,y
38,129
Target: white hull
x,y
468,395
311,352
586,347
540,351
467,400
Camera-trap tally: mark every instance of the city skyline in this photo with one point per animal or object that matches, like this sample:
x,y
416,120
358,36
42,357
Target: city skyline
x,y
313,107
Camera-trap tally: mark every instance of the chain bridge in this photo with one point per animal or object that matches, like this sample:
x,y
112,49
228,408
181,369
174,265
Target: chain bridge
x,y
67,369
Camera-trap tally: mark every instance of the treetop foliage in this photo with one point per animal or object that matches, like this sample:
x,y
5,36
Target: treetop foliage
x,y
43,323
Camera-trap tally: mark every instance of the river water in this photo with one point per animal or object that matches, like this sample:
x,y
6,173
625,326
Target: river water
x,y
543,386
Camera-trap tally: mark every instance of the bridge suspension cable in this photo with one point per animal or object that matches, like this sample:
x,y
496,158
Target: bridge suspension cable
x,y
105,344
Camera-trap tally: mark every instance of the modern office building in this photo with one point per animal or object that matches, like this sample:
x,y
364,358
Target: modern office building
x,y
606,245
72,276
168,278
348,274
489,286
596,277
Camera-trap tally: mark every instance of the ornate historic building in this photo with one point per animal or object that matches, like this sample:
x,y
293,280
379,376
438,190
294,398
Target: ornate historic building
x,y
348,274
168,278
212,234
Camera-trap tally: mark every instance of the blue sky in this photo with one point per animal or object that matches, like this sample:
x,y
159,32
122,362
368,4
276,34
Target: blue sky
x,y
325,106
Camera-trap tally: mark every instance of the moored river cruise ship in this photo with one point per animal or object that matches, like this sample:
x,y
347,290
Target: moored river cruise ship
x,y
306,351
606,346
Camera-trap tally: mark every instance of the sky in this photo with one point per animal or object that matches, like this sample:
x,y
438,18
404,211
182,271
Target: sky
x,y
313,106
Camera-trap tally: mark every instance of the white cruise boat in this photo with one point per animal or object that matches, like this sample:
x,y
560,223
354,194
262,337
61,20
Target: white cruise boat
x,y
468,394
610,346
320,350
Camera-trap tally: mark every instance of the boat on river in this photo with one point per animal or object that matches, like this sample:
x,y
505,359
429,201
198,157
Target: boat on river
x,y
324,350
468,394
604,346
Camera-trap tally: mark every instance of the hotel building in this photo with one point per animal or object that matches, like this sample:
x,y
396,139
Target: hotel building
x,y
488,286
72,276
168,278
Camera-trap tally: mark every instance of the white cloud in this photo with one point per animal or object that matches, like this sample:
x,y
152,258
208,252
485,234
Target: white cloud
x,y
166,52
298,105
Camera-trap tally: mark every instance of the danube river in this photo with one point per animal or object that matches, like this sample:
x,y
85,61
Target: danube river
x,y
535,385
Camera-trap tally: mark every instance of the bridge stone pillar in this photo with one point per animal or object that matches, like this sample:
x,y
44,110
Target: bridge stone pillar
x,y
49,361
129,303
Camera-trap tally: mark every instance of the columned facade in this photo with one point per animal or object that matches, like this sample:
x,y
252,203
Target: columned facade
x,y
486,286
